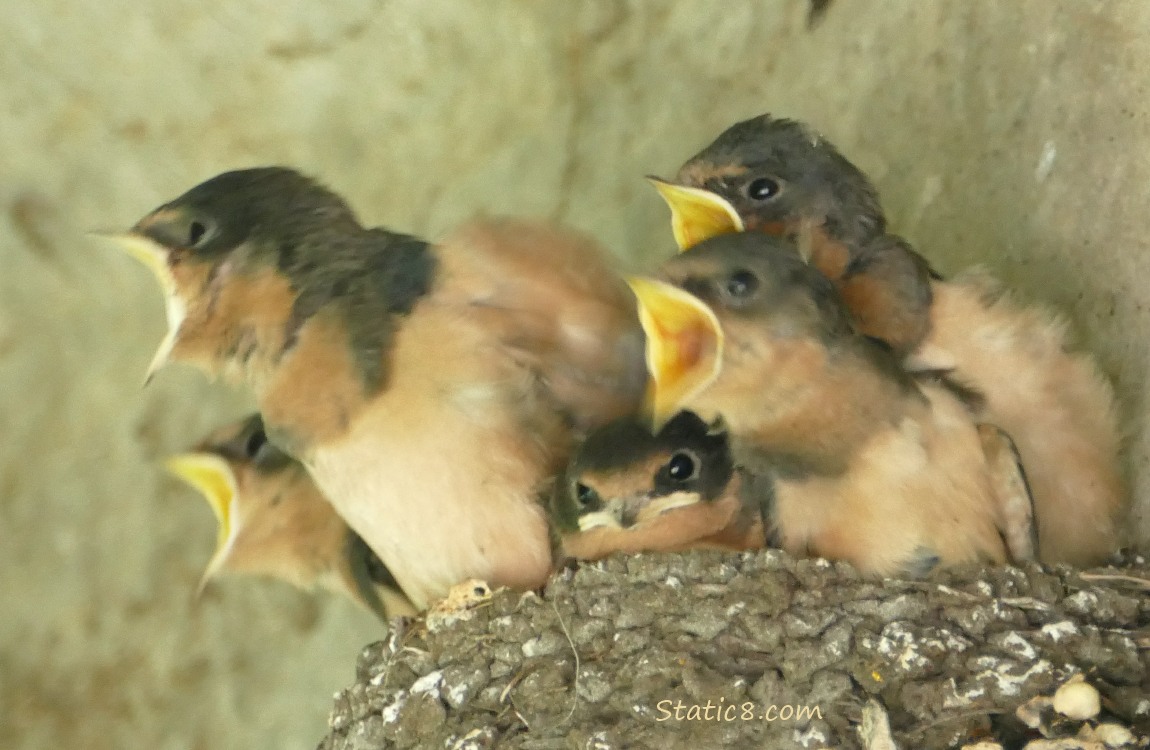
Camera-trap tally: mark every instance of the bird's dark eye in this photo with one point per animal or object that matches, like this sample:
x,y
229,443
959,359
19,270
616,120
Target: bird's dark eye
x,y
742,284
585,495
198,231
255,443
762,189
683,466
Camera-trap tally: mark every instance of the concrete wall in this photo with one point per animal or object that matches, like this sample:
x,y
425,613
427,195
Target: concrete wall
x,y
1013,134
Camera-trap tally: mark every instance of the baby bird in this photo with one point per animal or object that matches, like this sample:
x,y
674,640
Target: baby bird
x,y
433,390
867,464
778,176
628,490
274,522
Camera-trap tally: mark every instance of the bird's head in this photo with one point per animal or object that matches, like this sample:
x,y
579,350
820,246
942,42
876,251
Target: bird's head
x,y
625,485
771,175
229,255
733,319
257,492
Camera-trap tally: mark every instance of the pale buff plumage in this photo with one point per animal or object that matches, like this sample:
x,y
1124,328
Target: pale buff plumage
x,y
274,522
1054,403
914,479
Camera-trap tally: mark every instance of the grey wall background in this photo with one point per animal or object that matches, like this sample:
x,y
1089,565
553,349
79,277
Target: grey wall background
x,y
1012,134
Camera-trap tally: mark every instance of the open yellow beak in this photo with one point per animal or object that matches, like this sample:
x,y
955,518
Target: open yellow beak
x,y
213,478
684,344
696,214
155,258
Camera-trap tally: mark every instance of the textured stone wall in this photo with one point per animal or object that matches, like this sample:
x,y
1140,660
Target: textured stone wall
x,y
1013,134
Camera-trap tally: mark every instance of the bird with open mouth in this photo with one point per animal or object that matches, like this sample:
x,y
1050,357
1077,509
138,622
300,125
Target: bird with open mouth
x,y
433,390
862,461
273,521
1040,399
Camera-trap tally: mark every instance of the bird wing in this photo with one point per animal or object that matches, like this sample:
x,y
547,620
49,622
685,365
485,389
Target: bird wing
x,y
551,300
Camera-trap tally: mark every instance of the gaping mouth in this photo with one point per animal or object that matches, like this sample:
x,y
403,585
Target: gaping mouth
x,y
696,214
154,256
213,478
684,344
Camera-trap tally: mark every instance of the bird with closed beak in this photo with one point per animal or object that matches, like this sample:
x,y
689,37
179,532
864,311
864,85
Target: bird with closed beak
x,y
778,176
273,521
865,463
630,490
433,390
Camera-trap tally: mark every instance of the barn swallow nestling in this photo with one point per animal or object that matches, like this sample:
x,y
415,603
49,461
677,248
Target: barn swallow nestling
x,y
273,521
433,390
866,463
778,176
628,490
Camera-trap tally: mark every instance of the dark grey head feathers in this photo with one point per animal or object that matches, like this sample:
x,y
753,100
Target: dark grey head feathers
x,y
625,458
251,445
276,218
779,172
762,279
752,274
226,211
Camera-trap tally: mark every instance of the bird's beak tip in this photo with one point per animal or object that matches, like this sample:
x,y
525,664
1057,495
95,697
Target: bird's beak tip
x,y
153,369
697,214
211,476
684,345
205,579
112,235
122,239
144,249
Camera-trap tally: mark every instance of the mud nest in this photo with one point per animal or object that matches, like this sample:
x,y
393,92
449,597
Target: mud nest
x,y
630,652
